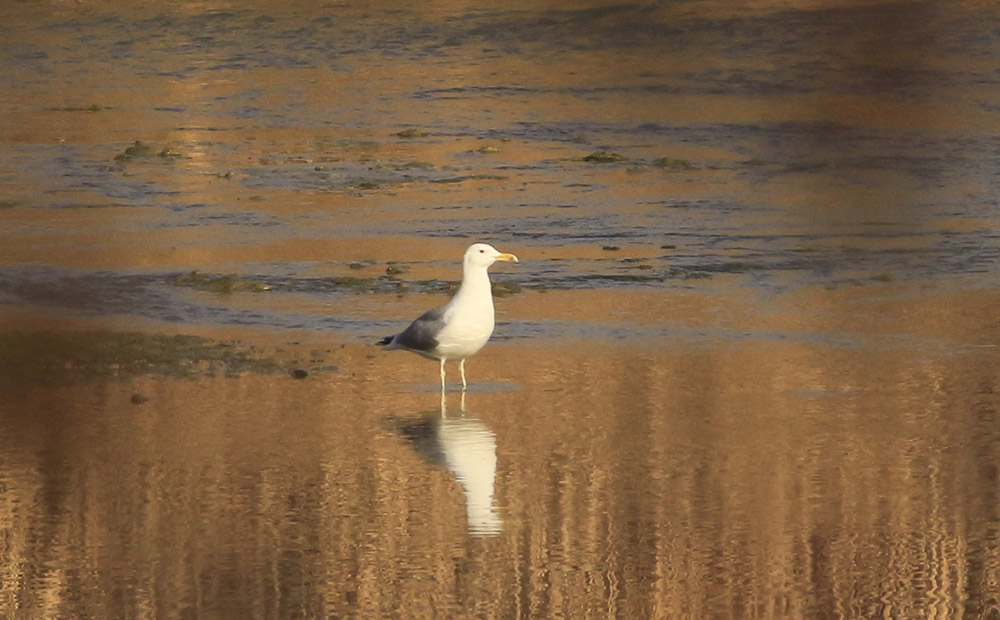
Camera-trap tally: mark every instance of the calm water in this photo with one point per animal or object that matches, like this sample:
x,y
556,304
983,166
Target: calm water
x,y
747,367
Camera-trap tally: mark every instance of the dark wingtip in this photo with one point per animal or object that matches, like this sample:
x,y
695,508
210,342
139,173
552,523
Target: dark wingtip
x,y
385,340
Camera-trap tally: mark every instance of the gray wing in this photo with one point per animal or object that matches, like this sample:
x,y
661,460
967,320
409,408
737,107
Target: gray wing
x,y
421,335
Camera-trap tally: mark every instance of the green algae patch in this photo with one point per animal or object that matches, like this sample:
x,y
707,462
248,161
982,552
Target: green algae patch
x,y
353,284
603,157
94,107
142,150
674,163
506,289
360,285
469,177
44,357
219,284
396,269
402,166
410,133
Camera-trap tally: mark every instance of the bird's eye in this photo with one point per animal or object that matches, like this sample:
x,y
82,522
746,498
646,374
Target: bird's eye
x,y
482,251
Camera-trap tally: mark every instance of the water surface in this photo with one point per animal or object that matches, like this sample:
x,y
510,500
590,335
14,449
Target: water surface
x,y
745,368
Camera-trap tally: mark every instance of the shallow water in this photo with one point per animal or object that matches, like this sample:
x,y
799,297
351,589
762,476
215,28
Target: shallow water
x,y
745,369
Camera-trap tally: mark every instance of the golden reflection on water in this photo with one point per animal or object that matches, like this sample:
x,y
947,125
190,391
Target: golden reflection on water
x,y
756,479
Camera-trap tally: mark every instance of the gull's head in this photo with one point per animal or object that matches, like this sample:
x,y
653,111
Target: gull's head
x,y
484,255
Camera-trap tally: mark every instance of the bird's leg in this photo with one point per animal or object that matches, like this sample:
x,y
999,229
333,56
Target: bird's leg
x,y
442,375
461,367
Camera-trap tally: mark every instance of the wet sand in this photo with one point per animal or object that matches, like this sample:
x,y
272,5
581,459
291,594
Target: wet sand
x,y
747,366
680,476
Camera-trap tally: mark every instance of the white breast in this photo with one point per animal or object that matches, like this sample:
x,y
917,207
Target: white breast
x,y
468,325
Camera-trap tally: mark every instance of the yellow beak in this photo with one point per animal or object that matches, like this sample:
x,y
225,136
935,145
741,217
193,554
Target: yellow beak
x,y
510,258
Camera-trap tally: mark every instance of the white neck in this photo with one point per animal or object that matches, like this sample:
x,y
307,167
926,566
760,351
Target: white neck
x,y
476,282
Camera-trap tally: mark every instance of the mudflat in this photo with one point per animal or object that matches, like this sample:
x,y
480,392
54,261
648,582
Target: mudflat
x,y
746,367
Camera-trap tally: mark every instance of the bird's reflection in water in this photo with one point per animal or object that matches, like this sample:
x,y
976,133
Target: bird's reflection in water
x,y
468,449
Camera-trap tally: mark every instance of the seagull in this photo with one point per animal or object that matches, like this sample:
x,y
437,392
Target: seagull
x,y
462,326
